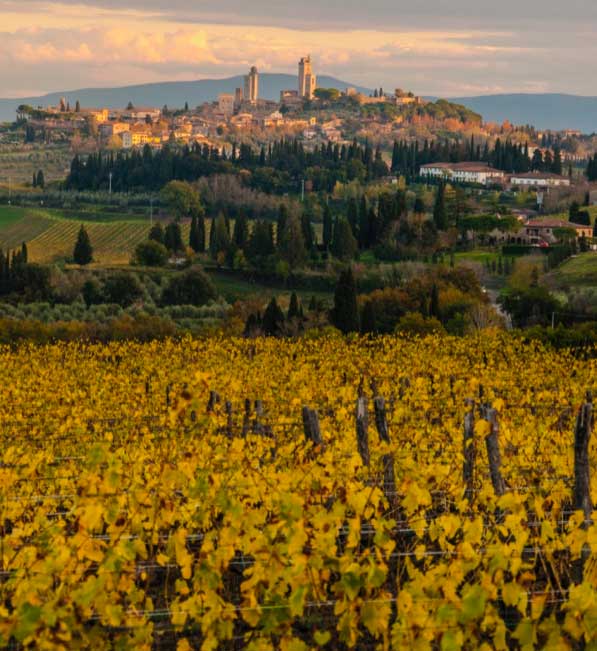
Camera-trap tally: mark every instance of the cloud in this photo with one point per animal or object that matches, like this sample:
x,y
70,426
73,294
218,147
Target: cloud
x,y
436,47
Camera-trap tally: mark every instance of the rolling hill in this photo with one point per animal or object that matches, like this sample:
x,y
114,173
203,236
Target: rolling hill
x,y
174,94
543,111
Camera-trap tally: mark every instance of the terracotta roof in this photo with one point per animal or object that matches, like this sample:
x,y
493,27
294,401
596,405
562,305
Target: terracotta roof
x,y
554,223
463,167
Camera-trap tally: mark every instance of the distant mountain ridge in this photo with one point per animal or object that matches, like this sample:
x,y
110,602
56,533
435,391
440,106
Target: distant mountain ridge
x,y
173,93
544,111
554,111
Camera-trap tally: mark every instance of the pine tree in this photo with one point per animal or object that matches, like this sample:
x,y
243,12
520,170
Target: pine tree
x,y
440,216
83,251
327,227
77,106
345,313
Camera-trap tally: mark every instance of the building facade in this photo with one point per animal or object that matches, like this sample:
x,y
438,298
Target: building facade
x,y
307,80
471,172
539,180
251,90
226,104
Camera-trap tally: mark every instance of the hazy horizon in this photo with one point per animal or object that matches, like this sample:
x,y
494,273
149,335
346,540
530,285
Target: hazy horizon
x,y
451,49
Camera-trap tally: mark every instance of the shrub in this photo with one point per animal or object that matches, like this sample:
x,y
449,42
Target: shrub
x,y
122,288
192,287
151,254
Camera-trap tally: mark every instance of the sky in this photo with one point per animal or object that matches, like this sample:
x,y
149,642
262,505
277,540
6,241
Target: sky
x,y
432,47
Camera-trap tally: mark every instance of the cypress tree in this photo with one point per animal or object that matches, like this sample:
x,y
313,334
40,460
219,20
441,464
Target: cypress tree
x,y
327,227
194,236
374,228
173,237
24,253
352,215
273,319
201,233
440,216
291,243
83,251
294,311
219,241
434,302
41,183
241,231
34,181
345,313
307,230
344,244
368,318
281,222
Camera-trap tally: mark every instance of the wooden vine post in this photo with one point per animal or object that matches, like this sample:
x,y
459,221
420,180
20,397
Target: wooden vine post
x,y
469,450
362,429
582,479
493,450
387,460
381,422
311,426
257,426
214,398
229,423
246,418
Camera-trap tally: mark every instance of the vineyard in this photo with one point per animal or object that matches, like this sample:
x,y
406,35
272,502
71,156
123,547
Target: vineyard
x,y
328,494
51,238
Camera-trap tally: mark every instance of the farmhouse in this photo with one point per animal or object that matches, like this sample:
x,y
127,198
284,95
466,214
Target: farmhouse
x,y
470,172
547,229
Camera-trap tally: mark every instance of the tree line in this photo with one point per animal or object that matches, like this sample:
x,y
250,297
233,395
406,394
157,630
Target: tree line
x,y
408,157
279,168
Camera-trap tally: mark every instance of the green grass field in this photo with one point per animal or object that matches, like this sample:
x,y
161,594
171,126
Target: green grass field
x,y
233,289
581,270
10,214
